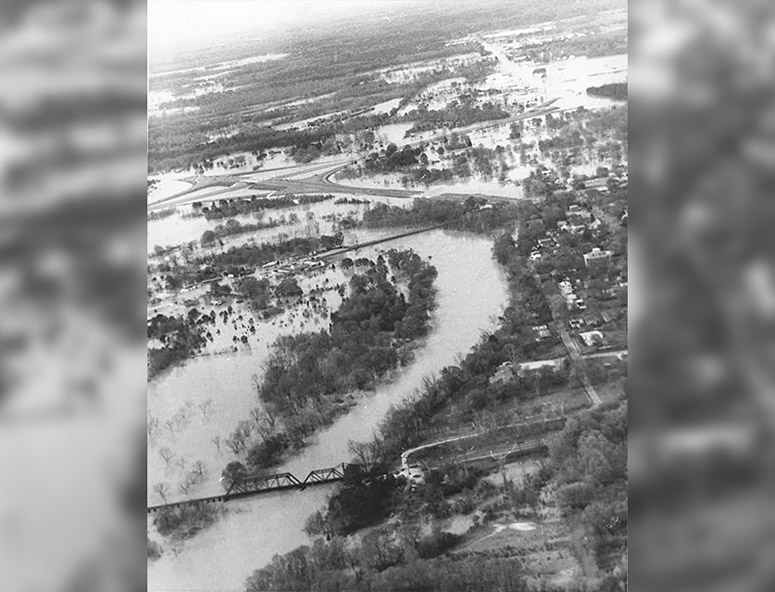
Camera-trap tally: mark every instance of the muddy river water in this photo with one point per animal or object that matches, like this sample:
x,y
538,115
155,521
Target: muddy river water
x,y
204,399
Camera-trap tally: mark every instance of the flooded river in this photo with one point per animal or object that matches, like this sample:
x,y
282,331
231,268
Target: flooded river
x,y
471,294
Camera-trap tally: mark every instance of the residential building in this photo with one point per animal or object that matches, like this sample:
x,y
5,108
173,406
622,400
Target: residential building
x,y
526,367
592,338
503,374
597,255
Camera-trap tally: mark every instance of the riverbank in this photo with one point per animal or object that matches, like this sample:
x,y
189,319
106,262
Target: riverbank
x,y
531,522
310,378
257,528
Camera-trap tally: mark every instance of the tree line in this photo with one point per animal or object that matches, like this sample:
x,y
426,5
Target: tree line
x,y
228,208
233,227
382,563
472,215
616,91
456,114
256,255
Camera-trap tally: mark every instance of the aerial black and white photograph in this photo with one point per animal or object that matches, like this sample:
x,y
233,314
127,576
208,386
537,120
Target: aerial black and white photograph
x,y
340,295
387,295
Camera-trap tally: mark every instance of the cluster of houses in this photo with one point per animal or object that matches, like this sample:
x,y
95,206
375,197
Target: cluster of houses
x,y
585,324
572,301
618,177
578,218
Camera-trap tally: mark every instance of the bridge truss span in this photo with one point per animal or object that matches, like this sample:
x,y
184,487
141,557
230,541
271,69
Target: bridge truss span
x,y
324,475
263,483
256,484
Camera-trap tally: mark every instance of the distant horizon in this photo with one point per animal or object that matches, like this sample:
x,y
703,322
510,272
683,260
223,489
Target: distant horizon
x,y
197,33
213,25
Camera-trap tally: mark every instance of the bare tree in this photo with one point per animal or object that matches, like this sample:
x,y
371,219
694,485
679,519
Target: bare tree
x,y
271,419
217,441
185,487
429,383
166,454
161,490
153,425
238,439
199,468
363,451
261,423
232,444
181,416
241,434
206,408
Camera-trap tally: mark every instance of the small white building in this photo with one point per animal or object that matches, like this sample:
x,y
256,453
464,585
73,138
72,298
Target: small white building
x,y
538,365
597,255
592,338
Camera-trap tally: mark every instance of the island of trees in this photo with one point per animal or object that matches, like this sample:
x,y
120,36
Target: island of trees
x,y
175,338
309,376
616,91
228,208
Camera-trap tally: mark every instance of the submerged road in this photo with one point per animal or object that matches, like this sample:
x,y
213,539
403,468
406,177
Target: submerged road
x,y
317,179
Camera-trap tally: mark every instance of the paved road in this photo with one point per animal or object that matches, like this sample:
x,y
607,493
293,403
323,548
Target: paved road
x,y
577,359
319,179
489,454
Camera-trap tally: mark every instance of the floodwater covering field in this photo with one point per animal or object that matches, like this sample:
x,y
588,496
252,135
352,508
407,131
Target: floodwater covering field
x,y
255,529
180,228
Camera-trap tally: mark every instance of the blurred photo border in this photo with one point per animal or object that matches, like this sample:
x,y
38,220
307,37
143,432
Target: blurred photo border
x,y
72,291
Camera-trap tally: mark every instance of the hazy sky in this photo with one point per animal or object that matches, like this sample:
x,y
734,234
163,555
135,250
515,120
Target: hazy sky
x,y
177,23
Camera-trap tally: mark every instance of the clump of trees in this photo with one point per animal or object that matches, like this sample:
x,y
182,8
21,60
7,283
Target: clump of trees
x,y
257,291
363,341
365,497
255,255
179,338
382,562
616,91
185,521
470,215
228,208
288,288
232,227
541,182
458,113
154,550
589,468
391,159
159,214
